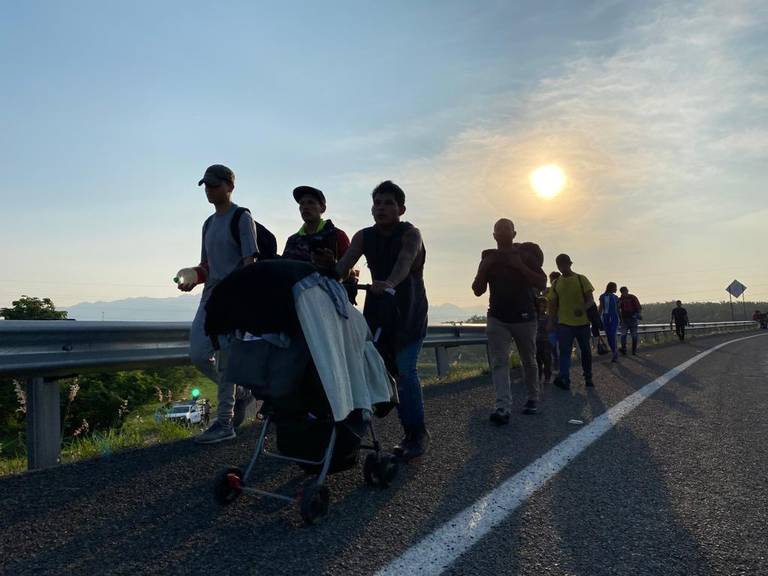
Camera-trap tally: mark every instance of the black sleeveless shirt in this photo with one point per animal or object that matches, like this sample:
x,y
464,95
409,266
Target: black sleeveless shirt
x,y
381,253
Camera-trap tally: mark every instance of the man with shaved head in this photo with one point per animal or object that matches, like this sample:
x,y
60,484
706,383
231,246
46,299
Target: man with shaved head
x,y
513,272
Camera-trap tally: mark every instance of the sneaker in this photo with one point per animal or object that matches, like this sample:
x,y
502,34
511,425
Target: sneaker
x,y
530,408
500,416
588,383
399,448
241,405
216,432
623,351
418,445
560,383
615,358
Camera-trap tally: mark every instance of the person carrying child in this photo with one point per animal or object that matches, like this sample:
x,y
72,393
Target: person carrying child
x,y
514,275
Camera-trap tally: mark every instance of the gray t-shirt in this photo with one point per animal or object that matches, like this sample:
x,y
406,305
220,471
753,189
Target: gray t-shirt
x,y
220,250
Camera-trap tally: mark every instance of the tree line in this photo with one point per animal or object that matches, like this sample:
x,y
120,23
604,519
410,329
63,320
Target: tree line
x,y
98,401
659,312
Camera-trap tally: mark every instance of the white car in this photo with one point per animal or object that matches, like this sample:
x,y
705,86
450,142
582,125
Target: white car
x,y
185,414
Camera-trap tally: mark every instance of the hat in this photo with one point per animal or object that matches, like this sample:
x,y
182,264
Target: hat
x,y
216,174
300,191
563,259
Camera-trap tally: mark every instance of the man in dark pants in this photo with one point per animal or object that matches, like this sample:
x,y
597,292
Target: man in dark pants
x,y
395,255
629,308
515,276
680,319
571,297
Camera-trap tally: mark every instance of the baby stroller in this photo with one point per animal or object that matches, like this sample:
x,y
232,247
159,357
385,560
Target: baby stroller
x,y
302,349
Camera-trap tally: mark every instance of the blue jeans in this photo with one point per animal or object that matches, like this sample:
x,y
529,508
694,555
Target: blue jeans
x,y
611,325
552,337
565,337
411,407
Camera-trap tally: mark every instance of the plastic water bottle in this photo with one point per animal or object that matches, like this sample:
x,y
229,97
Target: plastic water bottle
x,y
186,276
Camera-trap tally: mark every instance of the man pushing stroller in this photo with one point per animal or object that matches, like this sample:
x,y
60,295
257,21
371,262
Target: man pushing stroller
x,y
396,305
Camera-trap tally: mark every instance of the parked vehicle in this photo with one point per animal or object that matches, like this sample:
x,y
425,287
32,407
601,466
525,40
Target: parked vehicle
x,y
187,413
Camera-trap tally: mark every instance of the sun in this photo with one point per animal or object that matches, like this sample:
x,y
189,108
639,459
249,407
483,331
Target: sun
x,y
548,180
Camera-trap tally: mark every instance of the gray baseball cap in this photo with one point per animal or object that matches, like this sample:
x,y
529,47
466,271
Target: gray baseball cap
x,y
216,174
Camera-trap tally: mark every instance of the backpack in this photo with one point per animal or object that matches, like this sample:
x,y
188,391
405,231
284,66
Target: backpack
x,y
265,240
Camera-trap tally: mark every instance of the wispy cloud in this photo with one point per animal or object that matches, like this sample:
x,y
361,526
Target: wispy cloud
x,y
650,132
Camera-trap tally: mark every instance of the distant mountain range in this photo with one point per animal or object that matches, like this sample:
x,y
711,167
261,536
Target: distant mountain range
x,y
182,309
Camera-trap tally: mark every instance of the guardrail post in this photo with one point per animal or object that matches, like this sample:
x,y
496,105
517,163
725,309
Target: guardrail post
x,y
441,359
43,423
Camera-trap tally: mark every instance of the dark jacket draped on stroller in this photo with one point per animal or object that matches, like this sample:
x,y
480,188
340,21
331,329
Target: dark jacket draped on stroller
x,y
298,344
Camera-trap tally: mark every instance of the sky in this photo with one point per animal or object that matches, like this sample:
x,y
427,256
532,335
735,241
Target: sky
x,y
657,112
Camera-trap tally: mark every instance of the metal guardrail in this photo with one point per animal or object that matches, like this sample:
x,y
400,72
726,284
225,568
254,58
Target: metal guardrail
x,y
54,348
39,351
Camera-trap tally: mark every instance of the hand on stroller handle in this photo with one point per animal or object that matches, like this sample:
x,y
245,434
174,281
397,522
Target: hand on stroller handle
x,y
366,287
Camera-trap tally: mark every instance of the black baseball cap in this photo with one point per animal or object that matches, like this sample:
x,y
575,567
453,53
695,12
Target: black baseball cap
x,y
216,174
300,191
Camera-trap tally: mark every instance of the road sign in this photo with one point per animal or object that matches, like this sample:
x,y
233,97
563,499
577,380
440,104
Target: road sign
x,y
736,289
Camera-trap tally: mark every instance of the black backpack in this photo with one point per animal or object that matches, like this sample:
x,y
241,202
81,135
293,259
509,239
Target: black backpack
x,y
265,240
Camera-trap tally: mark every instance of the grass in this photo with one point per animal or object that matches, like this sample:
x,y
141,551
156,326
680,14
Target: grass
x,y
136,432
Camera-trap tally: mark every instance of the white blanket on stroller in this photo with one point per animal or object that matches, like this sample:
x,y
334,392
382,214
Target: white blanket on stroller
x,y
351,370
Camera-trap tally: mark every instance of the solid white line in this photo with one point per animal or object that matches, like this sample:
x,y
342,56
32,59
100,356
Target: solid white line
x,y
441,548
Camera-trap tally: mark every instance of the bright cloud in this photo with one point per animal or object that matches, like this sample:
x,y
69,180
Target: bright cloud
x,y
652,134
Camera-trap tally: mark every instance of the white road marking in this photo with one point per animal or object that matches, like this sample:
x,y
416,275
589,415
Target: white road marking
x,y
440,549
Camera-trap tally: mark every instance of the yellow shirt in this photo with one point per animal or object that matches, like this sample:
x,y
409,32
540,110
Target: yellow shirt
x,y
569,293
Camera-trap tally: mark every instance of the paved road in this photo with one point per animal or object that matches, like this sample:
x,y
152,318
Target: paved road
x,y
677,487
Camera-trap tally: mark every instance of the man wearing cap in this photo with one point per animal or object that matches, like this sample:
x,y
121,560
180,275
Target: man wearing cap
x,y
318,240
571,296
221,254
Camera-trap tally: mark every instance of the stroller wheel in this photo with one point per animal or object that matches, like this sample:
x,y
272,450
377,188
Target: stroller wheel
x,y
314,502
371,469
228,485
388,467
380,469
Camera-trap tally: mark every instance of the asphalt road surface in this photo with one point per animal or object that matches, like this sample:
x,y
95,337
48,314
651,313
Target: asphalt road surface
x,y
677,486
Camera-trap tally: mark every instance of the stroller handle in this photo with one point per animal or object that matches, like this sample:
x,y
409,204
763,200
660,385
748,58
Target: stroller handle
x,y
366,287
